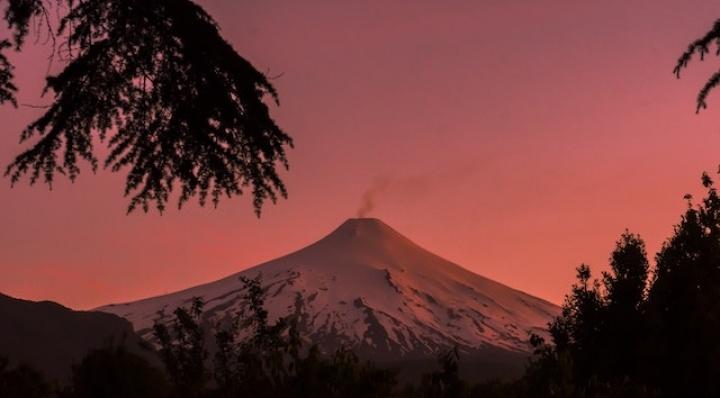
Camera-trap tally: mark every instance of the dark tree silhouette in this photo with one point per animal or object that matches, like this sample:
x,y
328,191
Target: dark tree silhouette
x,y
701,47
578,329
253,354
625,330
598,340
445,382
622,338
21,382
256,357
182,350
341,375
626,283
115,373
684,302
177,106
7,88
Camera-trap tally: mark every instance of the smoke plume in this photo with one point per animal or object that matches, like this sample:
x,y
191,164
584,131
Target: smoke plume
x,y
369,199
409,188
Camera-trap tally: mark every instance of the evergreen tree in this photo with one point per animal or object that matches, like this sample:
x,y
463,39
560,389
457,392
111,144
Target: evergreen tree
x,y
177,106
625,330
626,283
579,329
684,303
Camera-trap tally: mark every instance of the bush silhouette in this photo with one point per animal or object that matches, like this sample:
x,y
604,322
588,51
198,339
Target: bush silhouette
x,y
116,373
21,382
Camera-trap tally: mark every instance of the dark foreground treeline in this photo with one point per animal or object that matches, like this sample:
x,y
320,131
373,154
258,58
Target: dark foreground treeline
x,y
253,357
632,333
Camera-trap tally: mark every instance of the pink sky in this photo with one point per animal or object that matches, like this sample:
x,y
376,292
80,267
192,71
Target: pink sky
x,y
517,140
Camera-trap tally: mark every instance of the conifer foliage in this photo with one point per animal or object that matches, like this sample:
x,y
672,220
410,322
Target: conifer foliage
x,y
176,105
701,47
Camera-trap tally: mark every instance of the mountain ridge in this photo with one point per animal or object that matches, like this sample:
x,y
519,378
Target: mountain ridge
x,y
51,337
367,286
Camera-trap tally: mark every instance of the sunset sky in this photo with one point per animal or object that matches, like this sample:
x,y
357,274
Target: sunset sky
x,y
515,138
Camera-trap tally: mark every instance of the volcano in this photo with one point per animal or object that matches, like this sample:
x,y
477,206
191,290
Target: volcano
x,y
368,287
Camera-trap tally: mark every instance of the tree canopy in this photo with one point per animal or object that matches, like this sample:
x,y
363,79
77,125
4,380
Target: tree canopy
x,y
155,81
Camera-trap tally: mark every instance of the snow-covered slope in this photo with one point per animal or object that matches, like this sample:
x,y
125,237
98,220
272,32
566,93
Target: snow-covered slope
x,y
367,286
